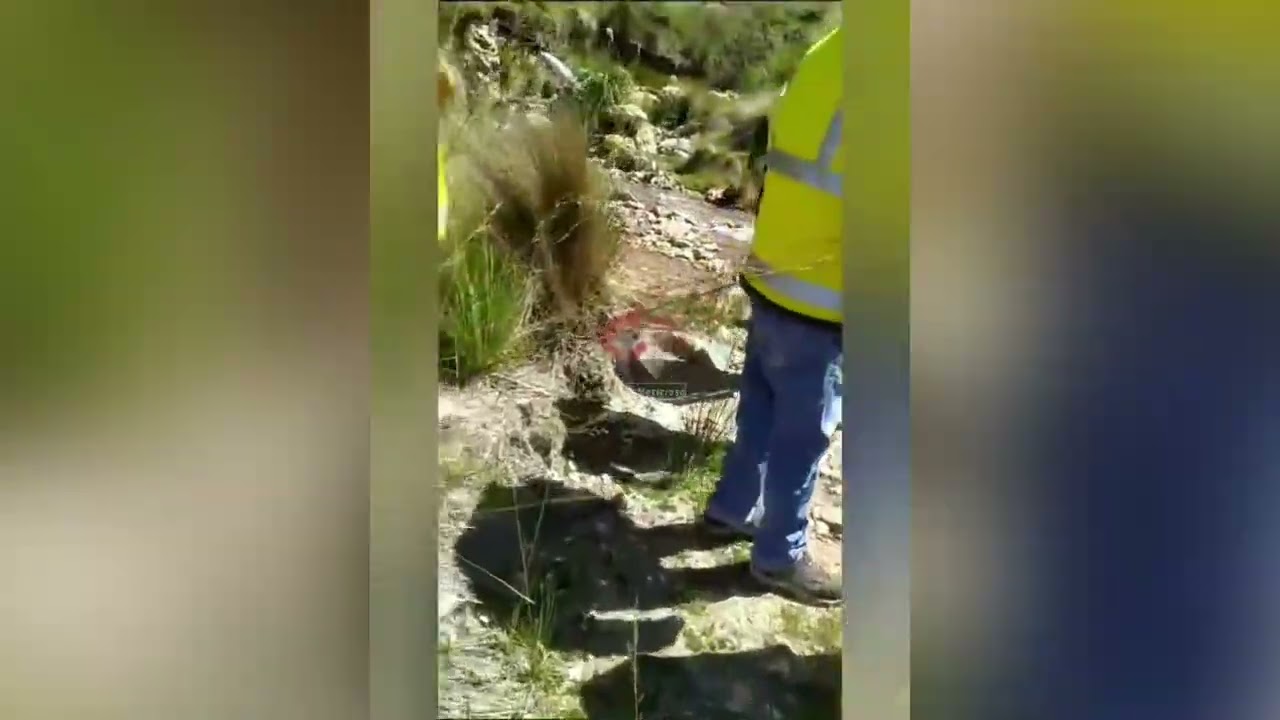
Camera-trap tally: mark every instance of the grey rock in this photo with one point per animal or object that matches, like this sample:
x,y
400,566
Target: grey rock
x,y
542,428
831,516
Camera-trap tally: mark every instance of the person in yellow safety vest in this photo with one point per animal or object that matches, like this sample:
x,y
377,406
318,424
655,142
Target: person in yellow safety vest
x,y
445,90
790,394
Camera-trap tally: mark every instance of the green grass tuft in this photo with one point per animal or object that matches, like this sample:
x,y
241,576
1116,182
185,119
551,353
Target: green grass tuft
x,y
487,296
598,91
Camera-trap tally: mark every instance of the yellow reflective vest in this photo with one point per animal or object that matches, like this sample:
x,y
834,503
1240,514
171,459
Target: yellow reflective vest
x,y
796,252
442,195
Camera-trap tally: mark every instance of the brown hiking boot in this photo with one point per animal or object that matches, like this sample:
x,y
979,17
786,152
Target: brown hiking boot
x,y
806,581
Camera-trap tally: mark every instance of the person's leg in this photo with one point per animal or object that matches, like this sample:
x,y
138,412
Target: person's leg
x,y
803,366
736,503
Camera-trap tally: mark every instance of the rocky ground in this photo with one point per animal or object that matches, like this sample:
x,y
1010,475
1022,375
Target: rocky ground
x,y
572,582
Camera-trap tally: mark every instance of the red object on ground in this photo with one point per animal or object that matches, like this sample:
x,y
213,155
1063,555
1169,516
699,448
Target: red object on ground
x,y
622,334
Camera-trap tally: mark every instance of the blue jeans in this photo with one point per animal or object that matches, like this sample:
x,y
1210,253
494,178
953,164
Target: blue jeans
x,y
788,407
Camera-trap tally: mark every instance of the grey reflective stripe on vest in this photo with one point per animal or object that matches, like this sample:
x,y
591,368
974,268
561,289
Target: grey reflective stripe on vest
x,y
793,287
818,174
831,140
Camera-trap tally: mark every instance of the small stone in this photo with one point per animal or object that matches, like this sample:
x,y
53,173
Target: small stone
x,y
830,516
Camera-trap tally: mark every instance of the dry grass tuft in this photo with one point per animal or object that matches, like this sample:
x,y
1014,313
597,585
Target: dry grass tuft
x,y
529,195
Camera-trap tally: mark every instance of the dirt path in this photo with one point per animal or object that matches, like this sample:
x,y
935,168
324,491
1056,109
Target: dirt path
x,y
676,244
706,214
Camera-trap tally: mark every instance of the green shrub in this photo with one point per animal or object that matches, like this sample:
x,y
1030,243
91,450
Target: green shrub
x,y
597,91
754,45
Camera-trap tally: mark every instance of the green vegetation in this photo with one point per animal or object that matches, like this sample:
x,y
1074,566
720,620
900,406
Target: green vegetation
x,y
695,457
754,46
712,88
820,628
528,245
528,636
598,91
486,299
700,458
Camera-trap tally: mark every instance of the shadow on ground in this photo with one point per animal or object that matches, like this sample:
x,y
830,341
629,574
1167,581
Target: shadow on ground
x,y
630,447
762,684
553,558
675,370
677,382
